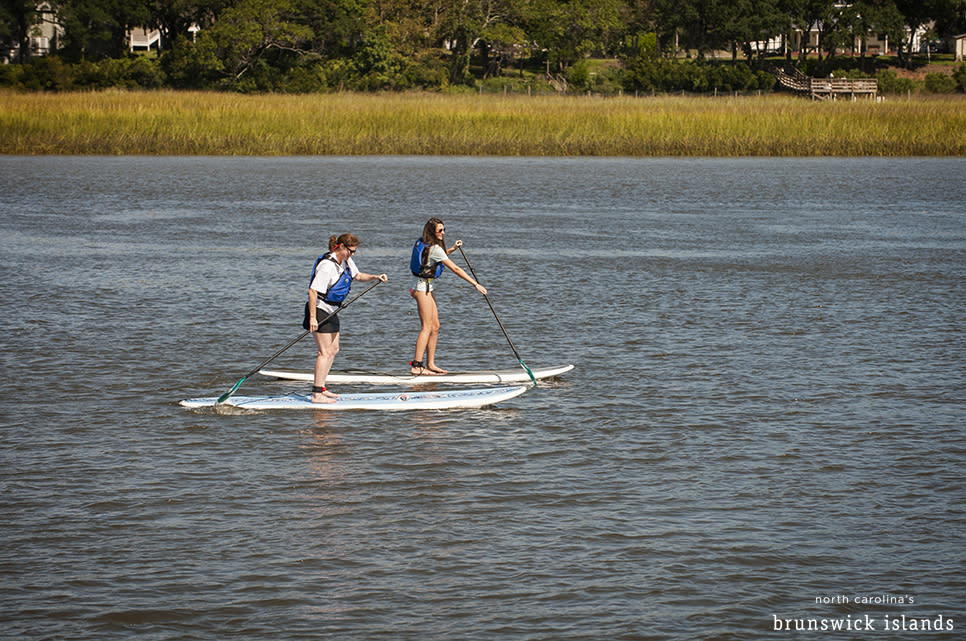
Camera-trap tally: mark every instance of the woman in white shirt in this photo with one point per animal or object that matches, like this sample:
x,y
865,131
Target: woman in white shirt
x,y
426,264
332,277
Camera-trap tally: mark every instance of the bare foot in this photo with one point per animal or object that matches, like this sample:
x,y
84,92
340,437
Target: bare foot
x,y
422,371
323,397
418,369
425,371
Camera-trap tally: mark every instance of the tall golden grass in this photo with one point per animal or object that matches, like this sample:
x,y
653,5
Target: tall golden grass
x,y
195,123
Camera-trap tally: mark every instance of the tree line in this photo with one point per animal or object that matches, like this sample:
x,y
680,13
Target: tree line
x,y
313,45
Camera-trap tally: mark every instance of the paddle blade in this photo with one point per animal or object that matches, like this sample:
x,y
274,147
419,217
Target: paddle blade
x,y
224,397
529,373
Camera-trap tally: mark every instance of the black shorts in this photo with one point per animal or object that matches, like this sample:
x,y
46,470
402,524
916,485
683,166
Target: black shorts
x,y
330,326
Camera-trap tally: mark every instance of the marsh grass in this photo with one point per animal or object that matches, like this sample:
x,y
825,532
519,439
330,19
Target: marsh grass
x,y
194,123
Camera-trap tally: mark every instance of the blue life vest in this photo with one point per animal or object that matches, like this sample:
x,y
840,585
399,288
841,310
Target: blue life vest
x,y
417,264
338,292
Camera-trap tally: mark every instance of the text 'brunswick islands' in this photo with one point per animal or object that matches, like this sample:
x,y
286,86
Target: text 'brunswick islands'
x,y
865,622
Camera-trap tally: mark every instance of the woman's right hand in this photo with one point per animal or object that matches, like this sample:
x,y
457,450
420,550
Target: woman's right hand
x,y
481,289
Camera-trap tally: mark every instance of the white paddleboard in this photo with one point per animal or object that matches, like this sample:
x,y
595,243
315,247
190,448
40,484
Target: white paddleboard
x,y
478,377
439,400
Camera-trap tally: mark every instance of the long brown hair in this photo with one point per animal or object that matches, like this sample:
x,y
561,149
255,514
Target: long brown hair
x,y
429,232
346,240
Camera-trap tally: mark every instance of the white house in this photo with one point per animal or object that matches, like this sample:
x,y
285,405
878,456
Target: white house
x,y
870,44
140,39
959,47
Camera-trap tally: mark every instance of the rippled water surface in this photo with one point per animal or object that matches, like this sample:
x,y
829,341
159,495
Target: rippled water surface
x,y
765,426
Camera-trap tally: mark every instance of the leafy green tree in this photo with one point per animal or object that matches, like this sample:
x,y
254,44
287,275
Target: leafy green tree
x,y
572,29
838,29
952,20
183,66
462,24
98,29
638,16
884,18
856,20
308,44
337,25
376,63
751,21
704,25
412,25
174,18
246,35
805,15
504,36
465,24
917,13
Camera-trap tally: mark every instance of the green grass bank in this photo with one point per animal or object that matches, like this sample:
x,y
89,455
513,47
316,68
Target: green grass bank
x,y
207,123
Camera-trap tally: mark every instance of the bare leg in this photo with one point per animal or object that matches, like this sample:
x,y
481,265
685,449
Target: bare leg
x,y
428,333
328,347
433,338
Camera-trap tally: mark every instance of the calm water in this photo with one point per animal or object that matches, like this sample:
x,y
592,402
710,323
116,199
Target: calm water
x,y
766,419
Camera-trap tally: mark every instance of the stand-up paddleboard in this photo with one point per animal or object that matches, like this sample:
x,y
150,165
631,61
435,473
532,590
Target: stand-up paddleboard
x,y
476,377
440,400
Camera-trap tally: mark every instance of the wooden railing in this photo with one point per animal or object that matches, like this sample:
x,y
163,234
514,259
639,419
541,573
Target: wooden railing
x,y
826,88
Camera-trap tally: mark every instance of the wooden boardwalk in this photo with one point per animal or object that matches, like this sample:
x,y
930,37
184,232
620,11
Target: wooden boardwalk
x,y
827,88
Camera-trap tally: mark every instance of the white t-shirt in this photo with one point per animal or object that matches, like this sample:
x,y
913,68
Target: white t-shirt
x,y
327,274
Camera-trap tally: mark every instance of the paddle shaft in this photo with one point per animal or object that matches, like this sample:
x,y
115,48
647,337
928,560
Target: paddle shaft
x,y
224,397
498,322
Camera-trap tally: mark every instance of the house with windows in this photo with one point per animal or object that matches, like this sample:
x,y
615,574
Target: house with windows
x,y
871,44
46,34
43,38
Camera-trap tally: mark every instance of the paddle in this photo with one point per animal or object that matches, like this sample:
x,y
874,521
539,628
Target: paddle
x,y
515,352
224,397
